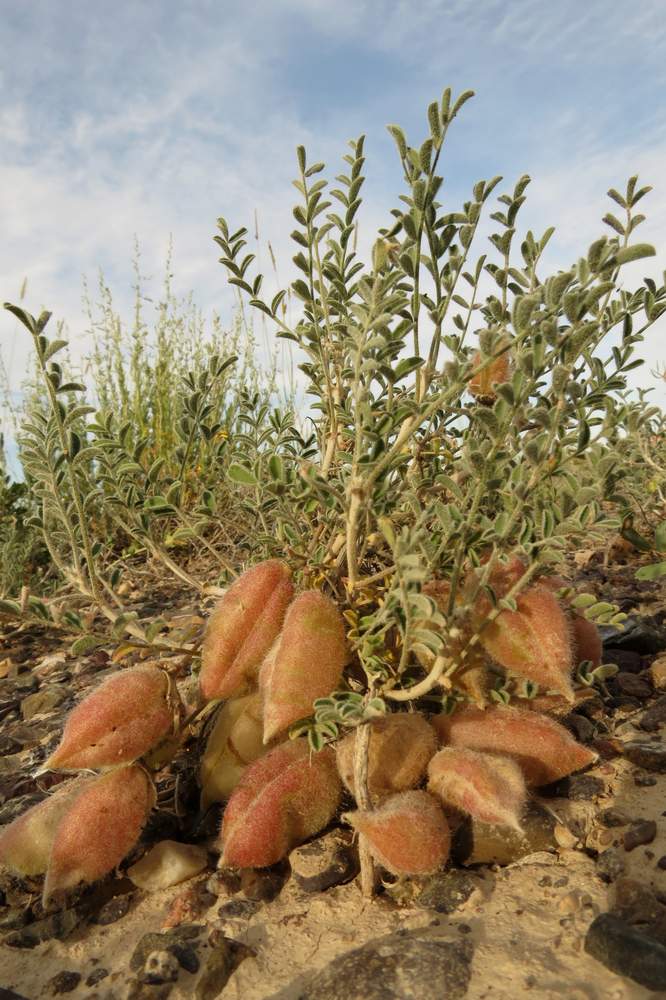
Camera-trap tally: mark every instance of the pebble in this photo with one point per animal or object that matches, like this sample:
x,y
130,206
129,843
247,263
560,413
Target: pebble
x,y
632,684
58,925
610,865
408,965
168,863
657,672
613,817
323,863
649,756
97,976
114,909
662,862
625,950
176,941
222,962
642,832
160,967
64,982
476,843
655,716
445,892
263,885
148,991
626,659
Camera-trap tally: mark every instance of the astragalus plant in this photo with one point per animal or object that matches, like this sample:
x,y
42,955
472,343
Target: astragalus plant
x,y
401,616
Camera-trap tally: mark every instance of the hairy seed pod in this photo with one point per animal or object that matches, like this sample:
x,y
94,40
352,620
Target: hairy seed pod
x,y
236,739
398,753
486,786
101,826
532,642
482,384
307,663
25,844
407,834
281,799
585,636
242,629
544,749
124,718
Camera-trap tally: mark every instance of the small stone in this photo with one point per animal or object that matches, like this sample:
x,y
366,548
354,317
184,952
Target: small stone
x,y
43,701
476,843
408,965
263,885
610,865
642,832
189,906
446,891
114,909
632,684
637,904
323,863
238,909
97,976
167,864
649,756
627,951
657,672
160,967
64,982
581,727
613,817
224,959
627,660
175,941
224,883
564,837
578,788
655,716
138,990
58,925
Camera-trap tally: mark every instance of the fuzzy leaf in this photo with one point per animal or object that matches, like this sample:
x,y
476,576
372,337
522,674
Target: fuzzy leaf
x,y
399,750
486,786
25,844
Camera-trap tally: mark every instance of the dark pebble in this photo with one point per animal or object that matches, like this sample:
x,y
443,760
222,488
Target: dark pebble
x,y
174,941
662,862
627,951
580,726
577,788
633,685
626,659
644,780
64,982
10,995
115,909
649,756
238,909
625,702
610,865
224,959
642,832
655,715
96,977
263,885
613,817
58,925
412,965
445,893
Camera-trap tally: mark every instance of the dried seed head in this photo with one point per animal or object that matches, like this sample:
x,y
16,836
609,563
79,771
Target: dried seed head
x,y
307,664
408,833
236,739
242,629
124,718
532,642
25,844
399,750
101,826
281,799
544,749
486,786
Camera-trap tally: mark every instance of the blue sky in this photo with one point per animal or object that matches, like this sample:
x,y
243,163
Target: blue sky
x,y
153,117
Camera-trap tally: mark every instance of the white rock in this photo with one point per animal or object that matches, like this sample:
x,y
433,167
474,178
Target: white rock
x,y
168,863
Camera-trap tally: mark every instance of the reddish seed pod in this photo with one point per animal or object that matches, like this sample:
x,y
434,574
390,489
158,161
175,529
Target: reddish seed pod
x,y
398,753
281,799
25,844
482,384
124,718
101,826
306,664
585,637
532,642
544,750
486,786
407,834
242,629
